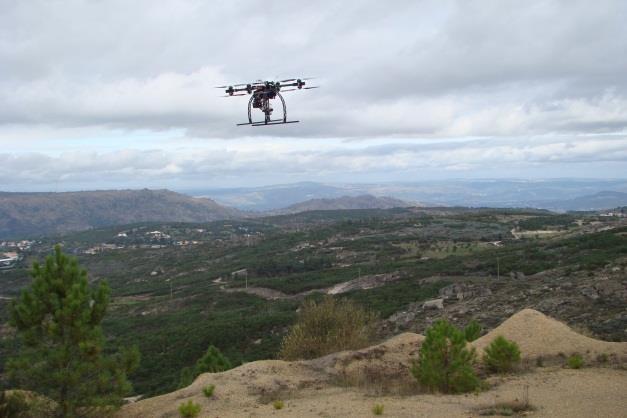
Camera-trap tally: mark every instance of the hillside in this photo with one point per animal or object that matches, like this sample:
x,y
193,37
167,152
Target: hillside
x,y
349,383
237,284
597,201
37,214
346,202
555,194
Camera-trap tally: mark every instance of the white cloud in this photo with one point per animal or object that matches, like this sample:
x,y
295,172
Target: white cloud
x,y
106,76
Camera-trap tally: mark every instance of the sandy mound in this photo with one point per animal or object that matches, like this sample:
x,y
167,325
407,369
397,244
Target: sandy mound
x,y
343,384
541,336
386,364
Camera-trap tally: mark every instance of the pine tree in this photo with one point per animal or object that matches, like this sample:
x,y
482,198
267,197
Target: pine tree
x,y
472,331
61,342
444,362
213,361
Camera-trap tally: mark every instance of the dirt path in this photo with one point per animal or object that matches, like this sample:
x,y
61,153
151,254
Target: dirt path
x,y
267,293
365,282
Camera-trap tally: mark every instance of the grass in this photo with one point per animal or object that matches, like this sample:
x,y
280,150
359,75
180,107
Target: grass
x,y
278,404
575,361
208,390
507,409
189,409
377,409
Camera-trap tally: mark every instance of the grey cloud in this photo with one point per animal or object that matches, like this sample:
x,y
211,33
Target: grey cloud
x,y
388,69
199,164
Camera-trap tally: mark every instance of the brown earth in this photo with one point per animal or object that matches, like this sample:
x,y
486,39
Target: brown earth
x,y
348,384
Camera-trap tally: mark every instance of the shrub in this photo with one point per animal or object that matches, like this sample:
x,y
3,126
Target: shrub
x,y
444,362
603,358
208,390
326,327
502,355
213,361
189,409
377,409
278,404
575,361
472,331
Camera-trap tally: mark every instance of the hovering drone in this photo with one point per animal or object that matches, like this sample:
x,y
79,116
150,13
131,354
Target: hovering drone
x,y
262,93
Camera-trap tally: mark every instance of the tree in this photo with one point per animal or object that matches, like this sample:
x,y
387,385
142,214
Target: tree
x,y
472,331
213,361
502,355
61,343
326,327
444,362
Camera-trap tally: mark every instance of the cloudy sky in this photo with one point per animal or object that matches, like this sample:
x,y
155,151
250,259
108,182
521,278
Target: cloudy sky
x,y
111,94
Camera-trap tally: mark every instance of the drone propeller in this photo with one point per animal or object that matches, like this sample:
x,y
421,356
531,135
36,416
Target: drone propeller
x,y
236,94
302,88
296,79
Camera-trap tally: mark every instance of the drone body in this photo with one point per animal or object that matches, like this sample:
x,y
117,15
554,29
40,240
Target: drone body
x,y
262,92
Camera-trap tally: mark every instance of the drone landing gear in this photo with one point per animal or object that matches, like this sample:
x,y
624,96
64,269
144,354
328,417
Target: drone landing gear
x,y
270,122
266,108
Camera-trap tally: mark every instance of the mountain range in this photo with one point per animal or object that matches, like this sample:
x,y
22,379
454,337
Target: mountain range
x,y
36,214
553,194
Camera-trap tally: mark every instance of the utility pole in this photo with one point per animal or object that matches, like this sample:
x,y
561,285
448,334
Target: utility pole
x,y
498,268
246,278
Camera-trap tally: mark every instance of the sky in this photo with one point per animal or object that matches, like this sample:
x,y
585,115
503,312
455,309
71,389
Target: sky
x,y
118,94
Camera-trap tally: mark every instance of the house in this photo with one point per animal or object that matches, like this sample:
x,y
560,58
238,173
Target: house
x,y
8,259
158,235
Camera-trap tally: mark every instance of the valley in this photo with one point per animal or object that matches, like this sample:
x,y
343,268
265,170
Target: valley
x,y
236,284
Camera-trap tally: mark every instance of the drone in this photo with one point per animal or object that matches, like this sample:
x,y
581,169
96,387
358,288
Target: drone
x,y
262,92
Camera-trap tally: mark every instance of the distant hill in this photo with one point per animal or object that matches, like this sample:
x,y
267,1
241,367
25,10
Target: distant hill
x,y
345,202
37,214
597,201
495,193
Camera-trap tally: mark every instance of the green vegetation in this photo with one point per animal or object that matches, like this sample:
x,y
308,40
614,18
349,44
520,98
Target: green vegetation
x,y
377,409
278,404
502,355
575,361
506,409
61,343
22,404
445,363
213,361
174,314
326,327
208,390
472,331
189,409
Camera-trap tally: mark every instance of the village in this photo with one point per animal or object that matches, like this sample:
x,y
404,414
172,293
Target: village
x,y
11,252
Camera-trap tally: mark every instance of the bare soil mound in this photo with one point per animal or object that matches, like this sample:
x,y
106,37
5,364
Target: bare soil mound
x,y
349,383
541,336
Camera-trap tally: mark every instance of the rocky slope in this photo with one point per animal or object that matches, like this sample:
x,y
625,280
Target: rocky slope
x,y
348,384
37,214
